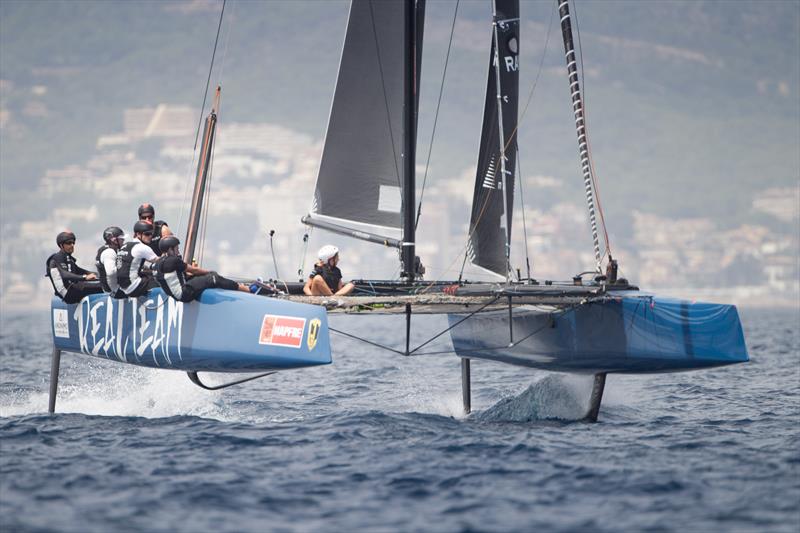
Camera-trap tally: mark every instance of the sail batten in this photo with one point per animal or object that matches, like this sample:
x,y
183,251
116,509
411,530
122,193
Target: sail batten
x,y
493,197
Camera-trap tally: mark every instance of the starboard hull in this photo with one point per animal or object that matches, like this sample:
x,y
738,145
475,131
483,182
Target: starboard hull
x,y
632,333
225,331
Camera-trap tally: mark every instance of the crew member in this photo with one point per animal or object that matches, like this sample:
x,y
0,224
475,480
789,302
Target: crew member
x,y
171,270
133,262
70,282
106,260
326,278
160,228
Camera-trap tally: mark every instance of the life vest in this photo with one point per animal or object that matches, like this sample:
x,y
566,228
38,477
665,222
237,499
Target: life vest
x,y
169,272
101,268
65,262
154,242
130,271
331,275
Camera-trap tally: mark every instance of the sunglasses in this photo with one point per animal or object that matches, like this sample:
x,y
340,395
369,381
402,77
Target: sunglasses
x,y
147,217
147,233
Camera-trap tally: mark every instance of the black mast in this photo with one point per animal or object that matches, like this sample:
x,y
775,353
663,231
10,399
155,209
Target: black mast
x,y
408,248
207,148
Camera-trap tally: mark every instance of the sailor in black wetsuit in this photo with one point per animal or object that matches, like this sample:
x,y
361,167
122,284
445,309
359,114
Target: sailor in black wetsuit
x,y
171,271
134,259
326,278
106,261
147,213
70,282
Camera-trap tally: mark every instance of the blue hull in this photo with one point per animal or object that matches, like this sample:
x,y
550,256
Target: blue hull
x,y
634,333
225,331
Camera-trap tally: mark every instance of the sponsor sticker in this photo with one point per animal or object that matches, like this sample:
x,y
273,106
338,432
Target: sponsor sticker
x,y
282,331
60,323
313,333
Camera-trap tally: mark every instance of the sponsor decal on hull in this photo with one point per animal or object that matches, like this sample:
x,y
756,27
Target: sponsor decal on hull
x,y
313,333
60,323
285,331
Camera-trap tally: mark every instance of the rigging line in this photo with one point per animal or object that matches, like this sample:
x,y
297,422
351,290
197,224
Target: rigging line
x,y
522,208
586,127
210,69
361,339
454,325
385,97
436,116
223,61
306,237
514,133
204,224
202,108
511,137
207,193
504,347
535,81
384,347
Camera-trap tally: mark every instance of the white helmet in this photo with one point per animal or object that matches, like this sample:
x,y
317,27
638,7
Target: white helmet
x,y
326,252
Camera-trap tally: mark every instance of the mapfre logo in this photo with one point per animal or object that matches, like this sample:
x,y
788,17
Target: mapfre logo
x,y
282,331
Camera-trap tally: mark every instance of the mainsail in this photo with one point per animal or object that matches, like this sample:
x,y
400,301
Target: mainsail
x,y
359,185
490,223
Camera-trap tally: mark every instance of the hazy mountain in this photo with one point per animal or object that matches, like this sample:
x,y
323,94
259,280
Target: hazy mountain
x,y
693,107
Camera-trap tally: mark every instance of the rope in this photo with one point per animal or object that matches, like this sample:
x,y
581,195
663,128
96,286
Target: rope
x,y
301,267
510,139
593,173
522,207
384,347
436,116
413,353
576,77
208,79
385,98
202,110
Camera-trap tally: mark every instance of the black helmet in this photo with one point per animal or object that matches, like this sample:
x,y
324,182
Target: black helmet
x,y
142,227
146,208
64,236
112,232
168,242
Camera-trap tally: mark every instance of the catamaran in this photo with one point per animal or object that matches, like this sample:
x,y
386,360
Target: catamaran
x,y
597,324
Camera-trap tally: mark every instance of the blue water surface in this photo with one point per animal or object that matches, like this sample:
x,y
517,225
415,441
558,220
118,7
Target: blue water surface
x,y
378,442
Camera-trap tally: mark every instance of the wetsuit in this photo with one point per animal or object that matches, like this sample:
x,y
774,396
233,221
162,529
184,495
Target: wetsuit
x,y
133,275
157,225
170,272
331,275
106,262
67,278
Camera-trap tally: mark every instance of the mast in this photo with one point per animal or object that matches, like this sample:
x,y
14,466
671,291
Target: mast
x,y
580,122
501,136
200,181
408,246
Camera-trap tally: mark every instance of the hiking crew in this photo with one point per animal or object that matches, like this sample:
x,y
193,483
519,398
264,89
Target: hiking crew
x,y
133,260
106,260
171,271
70,282
147,213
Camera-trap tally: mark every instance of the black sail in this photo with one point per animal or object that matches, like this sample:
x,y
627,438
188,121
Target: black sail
x,y
360,177
490,223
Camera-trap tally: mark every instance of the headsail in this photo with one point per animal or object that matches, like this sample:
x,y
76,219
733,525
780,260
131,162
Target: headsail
x,y
490,223
360,177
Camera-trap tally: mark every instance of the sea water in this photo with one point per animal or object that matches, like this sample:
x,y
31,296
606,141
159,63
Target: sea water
x,y
379,442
